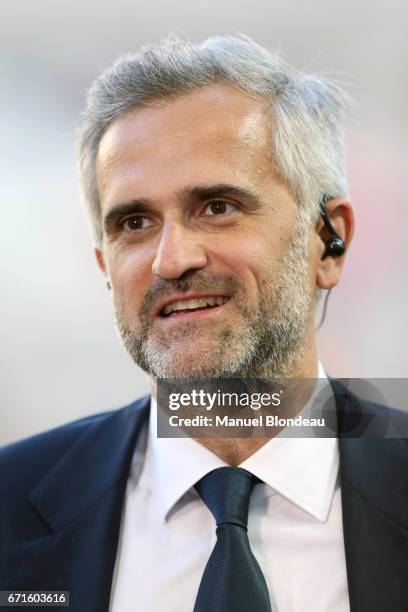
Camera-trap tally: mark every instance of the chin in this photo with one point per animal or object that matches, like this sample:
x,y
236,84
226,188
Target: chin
x,y
183,366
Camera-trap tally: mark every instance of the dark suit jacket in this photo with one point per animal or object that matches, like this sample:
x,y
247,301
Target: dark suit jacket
x,y
62,494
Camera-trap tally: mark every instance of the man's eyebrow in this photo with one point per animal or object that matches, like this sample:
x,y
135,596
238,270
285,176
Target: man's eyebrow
x,y
207,192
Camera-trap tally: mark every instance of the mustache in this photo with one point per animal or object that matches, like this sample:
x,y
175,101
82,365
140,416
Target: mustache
x,y
196,282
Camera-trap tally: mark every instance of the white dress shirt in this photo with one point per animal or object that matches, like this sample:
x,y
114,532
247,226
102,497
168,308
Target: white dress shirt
x,y
294,526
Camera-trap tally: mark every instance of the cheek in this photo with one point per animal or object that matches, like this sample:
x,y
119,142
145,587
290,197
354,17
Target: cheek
x,y
252,262
131,275
263,252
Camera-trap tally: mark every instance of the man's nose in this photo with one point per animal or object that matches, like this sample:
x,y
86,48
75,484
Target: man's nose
x,y
178,251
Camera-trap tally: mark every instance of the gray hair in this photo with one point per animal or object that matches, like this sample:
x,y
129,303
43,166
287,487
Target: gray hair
x,y
308,111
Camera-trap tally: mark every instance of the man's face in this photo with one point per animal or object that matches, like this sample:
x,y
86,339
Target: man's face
x,y
208,261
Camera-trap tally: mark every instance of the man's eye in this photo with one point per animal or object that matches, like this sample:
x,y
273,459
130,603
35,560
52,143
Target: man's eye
x,y
137,222
219,207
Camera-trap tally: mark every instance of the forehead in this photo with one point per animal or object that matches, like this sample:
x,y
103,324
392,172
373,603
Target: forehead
x,y
213,130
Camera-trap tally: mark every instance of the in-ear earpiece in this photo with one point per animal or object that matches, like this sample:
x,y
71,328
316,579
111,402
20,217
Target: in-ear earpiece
x,y
109,286
334,246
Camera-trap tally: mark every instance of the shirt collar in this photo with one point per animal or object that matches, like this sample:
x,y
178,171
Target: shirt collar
x,y
304,470
175,464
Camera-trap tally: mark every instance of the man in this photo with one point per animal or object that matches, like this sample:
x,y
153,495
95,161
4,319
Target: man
x,y
214,179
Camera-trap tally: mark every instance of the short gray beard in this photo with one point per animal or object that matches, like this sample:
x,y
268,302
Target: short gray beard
x,y
269,345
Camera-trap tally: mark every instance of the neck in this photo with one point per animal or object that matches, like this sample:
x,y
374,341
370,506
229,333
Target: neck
x,y
234,451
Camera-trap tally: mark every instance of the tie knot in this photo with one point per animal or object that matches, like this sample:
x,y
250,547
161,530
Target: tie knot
x,y
226,492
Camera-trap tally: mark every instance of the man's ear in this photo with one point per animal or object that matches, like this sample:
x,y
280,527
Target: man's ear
x,y
340,213
100,260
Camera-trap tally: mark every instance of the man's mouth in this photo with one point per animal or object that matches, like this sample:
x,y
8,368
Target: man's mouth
x,y
189,306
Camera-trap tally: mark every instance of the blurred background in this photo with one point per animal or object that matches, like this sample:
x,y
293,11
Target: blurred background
x,y
60,357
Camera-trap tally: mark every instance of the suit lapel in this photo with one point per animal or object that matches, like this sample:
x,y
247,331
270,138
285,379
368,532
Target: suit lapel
x,y
374,488
81,501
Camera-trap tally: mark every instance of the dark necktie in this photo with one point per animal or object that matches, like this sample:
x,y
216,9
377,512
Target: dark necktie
x,y
232,579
